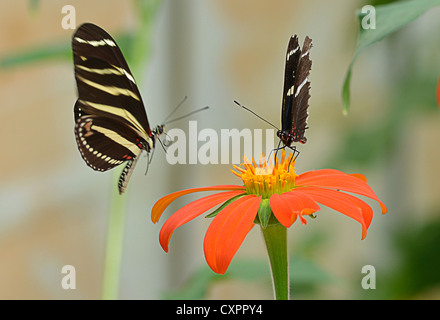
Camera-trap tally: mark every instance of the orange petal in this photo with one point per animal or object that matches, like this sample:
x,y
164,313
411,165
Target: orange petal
x,y
165,201
314,173
359,176
287,206
338,180
189,212
347,204
228,230
281,210
301,203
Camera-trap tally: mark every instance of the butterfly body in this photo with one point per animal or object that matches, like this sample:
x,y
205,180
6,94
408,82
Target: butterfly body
x,y
111,125
296,92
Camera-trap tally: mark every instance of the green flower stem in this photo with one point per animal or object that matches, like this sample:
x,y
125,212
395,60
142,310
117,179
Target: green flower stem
x,y
275,237
146,9
114,248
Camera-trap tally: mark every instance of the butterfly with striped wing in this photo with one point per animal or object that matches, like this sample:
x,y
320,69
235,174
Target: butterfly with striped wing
x,y
111,125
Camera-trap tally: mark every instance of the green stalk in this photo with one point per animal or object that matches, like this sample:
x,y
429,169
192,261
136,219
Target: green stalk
x,y
114,247
275,237
116,226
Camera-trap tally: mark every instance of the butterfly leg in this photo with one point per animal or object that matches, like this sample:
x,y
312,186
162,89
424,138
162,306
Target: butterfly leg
x,y
276,150
149,160
295,152
295,155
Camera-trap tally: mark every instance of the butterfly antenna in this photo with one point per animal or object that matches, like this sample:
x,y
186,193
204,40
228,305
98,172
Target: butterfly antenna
x,y
240,105
175,109
187,115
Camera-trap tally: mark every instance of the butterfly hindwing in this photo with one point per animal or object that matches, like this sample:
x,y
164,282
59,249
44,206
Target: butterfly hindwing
x,y
126,174
302,93
105,143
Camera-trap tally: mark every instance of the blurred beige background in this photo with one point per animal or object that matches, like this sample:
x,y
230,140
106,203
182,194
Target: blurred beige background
x,y
54,209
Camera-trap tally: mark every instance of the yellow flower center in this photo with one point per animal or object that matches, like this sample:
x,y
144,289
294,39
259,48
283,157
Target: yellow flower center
x,y
266,178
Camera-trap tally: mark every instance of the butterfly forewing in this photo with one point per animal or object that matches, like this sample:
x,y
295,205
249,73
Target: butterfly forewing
x,y
296,92
103,77
111,123
292,57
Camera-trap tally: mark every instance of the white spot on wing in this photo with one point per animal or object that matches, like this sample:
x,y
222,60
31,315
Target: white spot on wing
x,y
300,86
96,43
292,52
304,54
115,91
115,70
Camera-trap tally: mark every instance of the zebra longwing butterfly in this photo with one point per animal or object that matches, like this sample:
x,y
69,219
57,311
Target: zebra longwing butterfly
x,y
296,92
111,125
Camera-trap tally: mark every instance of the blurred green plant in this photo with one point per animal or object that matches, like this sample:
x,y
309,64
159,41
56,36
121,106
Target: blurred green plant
x,y
138,53
389,18
137,48
414,273
136,45
33,6
412,91
47,52
57,50
364,146
381,2
306,274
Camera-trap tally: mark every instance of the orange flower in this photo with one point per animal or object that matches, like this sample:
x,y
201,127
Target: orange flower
x,y
268,188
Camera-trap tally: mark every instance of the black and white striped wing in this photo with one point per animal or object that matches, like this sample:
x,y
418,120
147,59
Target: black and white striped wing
x,y
111,123
296,91
104,80
105,143
292,58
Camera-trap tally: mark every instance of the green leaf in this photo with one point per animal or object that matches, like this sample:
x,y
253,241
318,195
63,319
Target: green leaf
x,y
304,275
33,5
249,269
389,18
196,287
141,49
225,204
306,272
49,52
